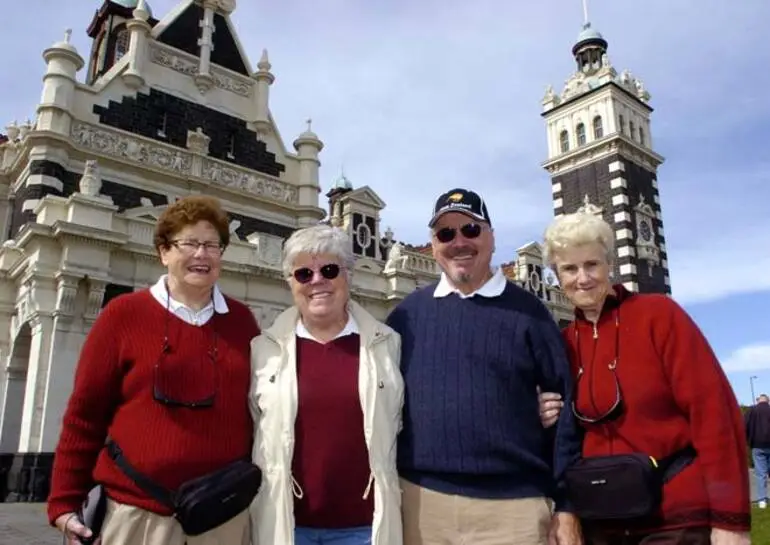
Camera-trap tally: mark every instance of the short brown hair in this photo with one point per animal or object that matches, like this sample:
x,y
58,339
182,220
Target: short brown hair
x,y
189,211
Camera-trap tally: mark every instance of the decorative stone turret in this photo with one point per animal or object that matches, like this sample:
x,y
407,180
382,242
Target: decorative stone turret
x,y
264,79
54,113
203,79
140,33
308,147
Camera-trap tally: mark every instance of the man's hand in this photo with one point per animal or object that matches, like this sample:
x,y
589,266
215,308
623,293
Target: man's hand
x,y
71,527
727,537
565,530
550,406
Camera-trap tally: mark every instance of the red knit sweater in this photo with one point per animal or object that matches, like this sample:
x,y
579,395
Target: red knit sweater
x,y
331,460
675,393
113,395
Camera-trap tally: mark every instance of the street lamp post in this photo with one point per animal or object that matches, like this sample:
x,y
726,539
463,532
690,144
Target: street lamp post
x,y
752,378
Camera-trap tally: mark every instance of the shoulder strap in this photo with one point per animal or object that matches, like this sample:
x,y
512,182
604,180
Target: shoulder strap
x,y
156,491
672,465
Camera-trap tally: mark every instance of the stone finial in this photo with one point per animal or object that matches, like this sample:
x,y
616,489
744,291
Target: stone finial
x,y
140,11
308,137
91,181
264,62
389,236
68,36
24,129
12,130
226,6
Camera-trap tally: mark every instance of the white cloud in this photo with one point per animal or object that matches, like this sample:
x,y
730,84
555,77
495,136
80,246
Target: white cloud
x,y
754,357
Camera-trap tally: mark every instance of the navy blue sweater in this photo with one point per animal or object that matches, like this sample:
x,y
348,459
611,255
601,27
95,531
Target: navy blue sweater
x,y
471,416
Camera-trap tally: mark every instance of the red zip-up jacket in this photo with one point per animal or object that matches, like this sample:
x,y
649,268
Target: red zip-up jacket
x,y
675,393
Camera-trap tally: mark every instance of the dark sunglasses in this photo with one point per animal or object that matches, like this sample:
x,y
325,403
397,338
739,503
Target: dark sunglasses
x,y
306,274
448,234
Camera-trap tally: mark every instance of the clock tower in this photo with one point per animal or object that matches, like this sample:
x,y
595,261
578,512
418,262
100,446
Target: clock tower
x,y
601,160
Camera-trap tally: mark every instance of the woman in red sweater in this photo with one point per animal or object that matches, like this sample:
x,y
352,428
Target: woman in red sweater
x,y
164,372
647,382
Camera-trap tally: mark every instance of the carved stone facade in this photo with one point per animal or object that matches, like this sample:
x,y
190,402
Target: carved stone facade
x,y
81,188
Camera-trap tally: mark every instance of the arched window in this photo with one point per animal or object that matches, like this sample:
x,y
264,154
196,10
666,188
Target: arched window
x,y
580,130
564,141
641,136
598,127
621,124
632,130
122,41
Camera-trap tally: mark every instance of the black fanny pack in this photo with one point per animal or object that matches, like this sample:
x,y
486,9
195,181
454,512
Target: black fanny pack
x,y
204,503
622,486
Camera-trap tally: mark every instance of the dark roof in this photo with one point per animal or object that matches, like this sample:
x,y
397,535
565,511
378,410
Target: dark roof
x,y
107,9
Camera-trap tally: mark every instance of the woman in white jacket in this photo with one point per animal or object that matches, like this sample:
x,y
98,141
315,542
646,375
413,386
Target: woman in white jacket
x,y
326,398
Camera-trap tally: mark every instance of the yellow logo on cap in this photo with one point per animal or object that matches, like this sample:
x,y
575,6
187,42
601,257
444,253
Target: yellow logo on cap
x,y
455,197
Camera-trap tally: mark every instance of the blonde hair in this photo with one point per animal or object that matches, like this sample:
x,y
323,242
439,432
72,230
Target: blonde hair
x,y
571,230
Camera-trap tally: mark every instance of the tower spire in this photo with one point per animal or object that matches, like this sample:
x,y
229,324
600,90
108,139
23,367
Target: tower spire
x,y
586,22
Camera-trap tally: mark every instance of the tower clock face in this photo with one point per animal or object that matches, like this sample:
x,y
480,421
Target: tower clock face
x,y
645,231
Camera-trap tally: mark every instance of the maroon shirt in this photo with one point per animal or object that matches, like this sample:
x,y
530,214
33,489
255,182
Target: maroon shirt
x,y
331,461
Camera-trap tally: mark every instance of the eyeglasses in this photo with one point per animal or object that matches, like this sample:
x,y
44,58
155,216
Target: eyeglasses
x,y
448,234
304,275
191,246
157,391
161,397
618,406
613,412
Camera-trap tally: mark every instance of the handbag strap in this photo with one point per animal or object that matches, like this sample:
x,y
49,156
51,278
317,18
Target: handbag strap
x,y
156,491
670,466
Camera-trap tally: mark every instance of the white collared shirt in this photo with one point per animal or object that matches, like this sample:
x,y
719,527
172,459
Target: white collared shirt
x,y
182,311
351,328
493,287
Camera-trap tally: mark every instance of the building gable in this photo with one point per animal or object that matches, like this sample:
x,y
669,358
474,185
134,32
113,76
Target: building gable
x,y
182,32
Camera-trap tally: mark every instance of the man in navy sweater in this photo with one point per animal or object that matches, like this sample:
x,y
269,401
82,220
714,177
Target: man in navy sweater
x,y
476,464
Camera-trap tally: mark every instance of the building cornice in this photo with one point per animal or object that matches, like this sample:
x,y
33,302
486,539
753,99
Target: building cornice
x,y
612,143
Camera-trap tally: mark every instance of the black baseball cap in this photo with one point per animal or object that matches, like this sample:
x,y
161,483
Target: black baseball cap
x,y
463,201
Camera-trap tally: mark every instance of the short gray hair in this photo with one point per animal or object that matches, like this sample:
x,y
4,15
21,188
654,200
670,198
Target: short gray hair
x,y
315,240
572,230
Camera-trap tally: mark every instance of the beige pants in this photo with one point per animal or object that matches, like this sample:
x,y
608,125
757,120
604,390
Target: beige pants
x,y
128,525
433,518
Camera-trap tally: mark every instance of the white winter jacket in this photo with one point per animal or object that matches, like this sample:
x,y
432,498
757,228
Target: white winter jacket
x,y
273,401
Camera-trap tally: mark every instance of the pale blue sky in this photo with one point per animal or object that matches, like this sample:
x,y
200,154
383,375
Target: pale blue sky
x,y
417,97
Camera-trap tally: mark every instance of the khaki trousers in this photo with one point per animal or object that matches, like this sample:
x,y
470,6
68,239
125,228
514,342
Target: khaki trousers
x,y
128,525
433,518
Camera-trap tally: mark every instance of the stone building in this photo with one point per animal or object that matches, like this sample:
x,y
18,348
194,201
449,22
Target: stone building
x,y
601,159
167,106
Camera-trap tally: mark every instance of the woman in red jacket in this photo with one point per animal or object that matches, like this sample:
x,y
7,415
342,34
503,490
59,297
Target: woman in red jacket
x,y
648,385
164,373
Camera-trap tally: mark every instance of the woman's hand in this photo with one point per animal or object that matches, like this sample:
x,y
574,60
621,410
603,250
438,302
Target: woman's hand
x,y
550,406
727,537
72,528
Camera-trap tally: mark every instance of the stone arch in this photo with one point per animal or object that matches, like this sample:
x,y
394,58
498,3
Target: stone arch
x,y
14,386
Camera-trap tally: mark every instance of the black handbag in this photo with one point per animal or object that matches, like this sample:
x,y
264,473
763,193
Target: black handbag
x,y
204,503
622,486
92,513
